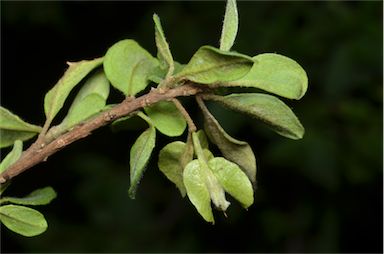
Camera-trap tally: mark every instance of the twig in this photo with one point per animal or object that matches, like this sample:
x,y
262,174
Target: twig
x,y
36,153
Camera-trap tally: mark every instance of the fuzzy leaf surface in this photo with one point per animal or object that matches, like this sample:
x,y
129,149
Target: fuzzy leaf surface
x,y
166,118
269,109
230,26
163,52
41,196
233,180
128,66
12,156
55,98
23,220
210,65
139,156
276,74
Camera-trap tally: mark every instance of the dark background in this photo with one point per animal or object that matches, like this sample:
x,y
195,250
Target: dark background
x,y
323,193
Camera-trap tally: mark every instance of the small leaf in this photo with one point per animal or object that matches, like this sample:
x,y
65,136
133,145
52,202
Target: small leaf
x,y
90,100
12,128
210,65
139,156
276,74
12,157
202,139
197,190
41,196
216,192
55,98
10,121
171,163
233,180
234,150
128,66
163,52
166,118
266,108
23,220
230,26
8,137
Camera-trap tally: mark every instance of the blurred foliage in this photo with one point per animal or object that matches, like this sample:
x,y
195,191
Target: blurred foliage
x,y
319,194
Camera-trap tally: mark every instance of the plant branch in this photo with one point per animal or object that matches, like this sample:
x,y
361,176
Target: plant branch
x,y
187,117
39,152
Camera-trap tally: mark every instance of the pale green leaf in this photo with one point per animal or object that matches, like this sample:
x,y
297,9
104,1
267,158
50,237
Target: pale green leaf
x,y
55,98
266,108
139,156
166,118
41,196
230,26
197,190
13,128
12,156
90,100
23,220
163,52
10,121
216,192
158,74
276,74
233,180
202,139
8,138
234,150
128,67
210,65
171,163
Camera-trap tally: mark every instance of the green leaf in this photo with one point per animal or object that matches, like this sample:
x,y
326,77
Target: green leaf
x,y
202,139
197,190
166,118
10,121
12,157
276,74
55,98
41,196
139,156
172,165
266,108
23,220
90,100
230,26
216,192
233,180
12,128
163,52
210,65
128,67
132,122
234,150
8,137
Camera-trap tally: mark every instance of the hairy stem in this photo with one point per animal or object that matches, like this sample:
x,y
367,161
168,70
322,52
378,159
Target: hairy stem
x,y
39,152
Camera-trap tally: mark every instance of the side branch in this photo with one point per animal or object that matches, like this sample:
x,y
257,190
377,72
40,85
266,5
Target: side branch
x,y
39,152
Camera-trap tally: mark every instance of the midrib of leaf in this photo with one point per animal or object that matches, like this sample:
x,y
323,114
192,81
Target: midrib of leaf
x,y
134,69
20,221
